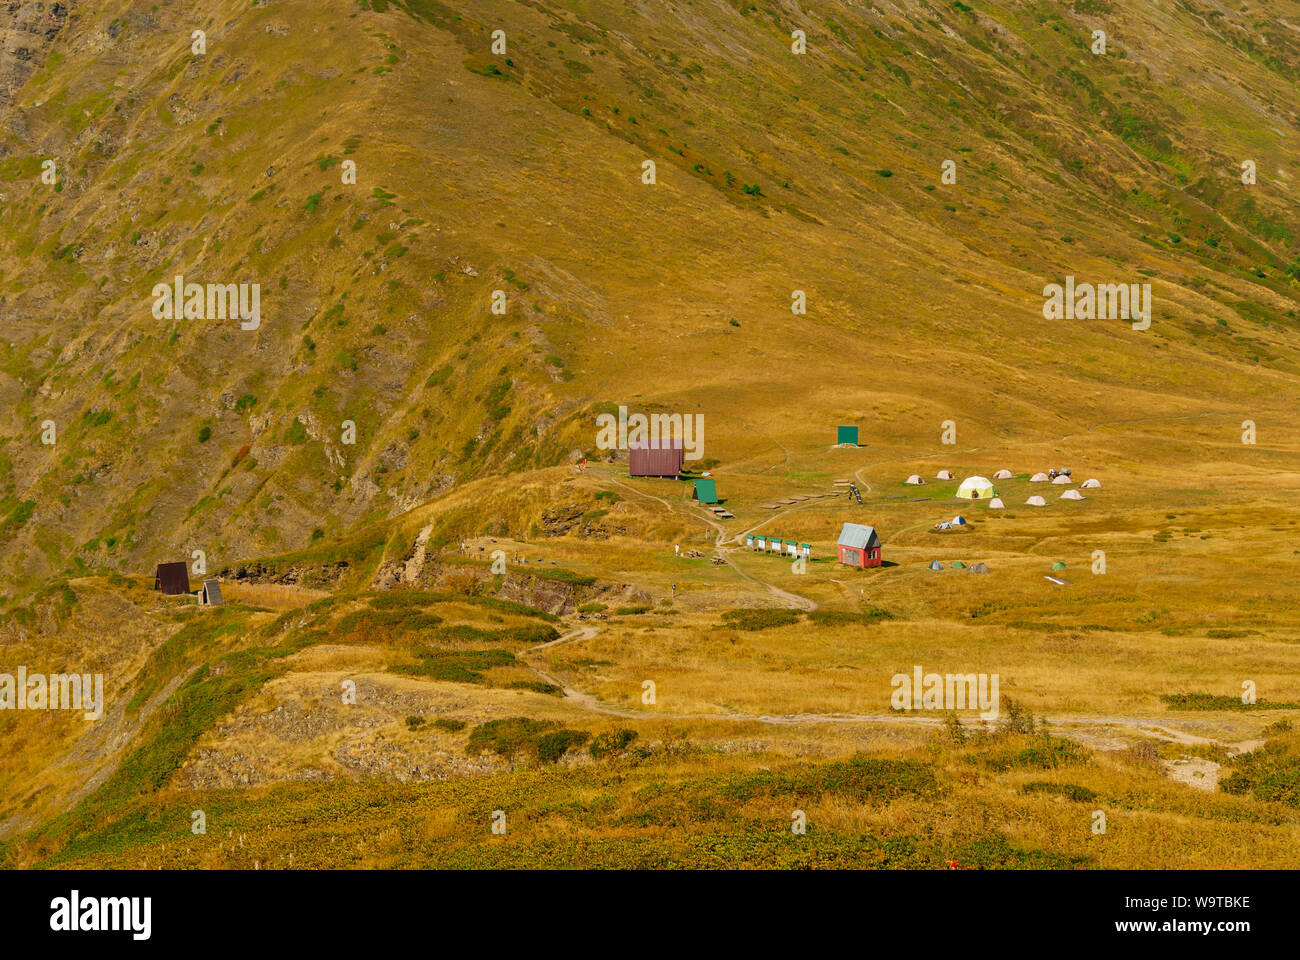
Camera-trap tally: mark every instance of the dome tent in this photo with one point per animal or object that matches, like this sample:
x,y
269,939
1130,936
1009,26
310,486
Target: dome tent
x,y
997,504
1059,565
979,568
1062,478
914,480
1091,483
957,565
1036,502
976,488
1073,495
958,521
936,565
1038,478
943,475
1002,475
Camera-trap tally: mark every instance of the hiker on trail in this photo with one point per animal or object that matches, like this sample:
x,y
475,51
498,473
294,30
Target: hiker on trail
x,y
674,589
677,549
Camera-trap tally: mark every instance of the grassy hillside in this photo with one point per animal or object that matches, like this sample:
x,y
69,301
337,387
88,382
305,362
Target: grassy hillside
x,y
522,173
351,467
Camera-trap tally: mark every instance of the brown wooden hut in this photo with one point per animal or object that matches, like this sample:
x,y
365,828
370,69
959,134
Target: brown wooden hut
x,y
172,578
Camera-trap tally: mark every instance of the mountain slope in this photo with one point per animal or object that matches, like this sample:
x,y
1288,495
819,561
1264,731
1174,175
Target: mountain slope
x,y
522,173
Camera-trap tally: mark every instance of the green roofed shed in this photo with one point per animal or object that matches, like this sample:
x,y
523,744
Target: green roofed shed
x,y
846,435
705,491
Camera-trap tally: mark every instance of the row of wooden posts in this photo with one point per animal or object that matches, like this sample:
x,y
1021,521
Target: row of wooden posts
x,y
776,545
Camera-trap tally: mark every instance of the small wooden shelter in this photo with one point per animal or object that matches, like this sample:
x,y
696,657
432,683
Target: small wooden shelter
x,y
172,578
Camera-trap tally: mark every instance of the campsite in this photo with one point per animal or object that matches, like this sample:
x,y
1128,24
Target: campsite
x,y
761,617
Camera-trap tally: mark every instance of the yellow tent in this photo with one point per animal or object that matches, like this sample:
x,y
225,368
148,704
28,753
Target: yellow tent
x,y
976,488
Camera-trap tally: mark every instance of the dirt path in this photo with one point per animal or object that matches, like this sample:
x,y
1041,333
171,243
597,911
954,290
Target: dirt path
x,y
720,544
1196,772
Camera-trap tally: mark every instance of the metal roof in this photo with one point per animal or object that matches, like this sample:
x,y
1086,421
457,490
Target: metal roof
x,y
859,536
172,578
662,458
705,491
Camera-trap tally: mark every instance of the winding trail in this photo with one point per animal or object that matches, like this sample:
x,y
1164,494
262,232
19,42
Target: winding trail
x,y
1142,726
720,544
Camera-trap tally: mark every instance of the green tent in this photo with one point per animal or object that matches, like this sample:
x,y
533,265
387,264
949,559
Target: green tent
x,y
846,435
705,492
1059,565
958,565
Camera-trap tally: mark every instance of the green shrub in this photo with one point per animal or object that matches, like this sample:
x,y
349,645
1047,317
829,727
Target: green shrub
x,y
456,666
1210,701
608,744
837,618
507,737
760,619
566,576
552,746
859,778
528,633
537,686
1044,752
1270,774
1068,790
296,432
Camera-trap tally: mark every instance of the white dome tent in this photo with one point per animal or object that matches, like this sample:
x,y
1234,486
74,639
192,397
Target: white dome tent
x,y
976,488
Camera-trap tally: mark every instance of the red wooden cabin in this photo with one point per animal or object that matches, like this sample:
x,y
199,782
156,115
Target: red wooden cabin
x,y
859,546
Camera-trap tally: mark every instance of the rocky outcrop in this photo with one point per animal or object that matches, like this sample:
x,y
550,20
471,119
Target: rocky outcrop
x,y
304,575
26,32
559,597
